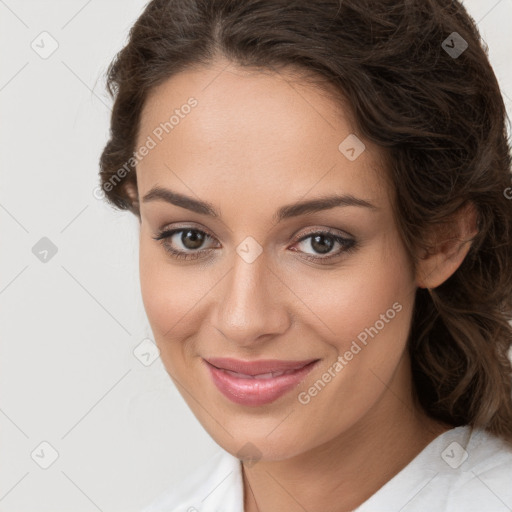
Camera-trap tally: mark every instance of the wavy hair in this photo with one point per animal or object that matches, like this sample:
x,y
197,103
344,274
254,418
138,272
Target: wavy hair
x,y
413,88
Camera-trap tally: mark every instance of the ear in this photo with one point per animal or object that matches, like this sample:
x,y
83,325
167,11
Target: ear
x,y
448,246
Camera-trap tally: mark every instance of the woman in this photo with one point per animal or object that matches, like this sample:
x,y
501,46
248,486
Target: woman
x,y
325,248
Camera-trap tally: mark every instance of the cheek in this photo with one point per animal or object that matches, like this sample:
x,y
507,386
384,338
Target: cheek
x,y
370,319
156,287
373,291
170,294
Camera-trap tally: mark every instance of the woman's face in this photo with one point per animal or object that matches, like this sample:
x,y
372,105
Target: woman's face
x,y
265,280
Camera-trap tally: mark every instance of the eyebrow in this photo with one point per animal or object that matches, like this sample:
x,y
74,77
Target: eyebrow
x,y
285,212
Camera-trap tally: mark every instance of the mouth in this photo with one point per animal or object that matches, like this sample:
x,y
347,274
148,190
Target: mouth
x,y
256,383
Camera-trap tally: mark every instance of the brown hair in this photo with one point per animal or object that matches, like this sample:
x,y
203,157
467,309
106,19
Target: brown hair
x,y
441,118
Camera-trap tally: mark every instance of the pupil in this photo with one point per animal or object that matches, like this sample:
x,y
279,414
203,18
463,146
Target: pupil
x,y
316,243
192,239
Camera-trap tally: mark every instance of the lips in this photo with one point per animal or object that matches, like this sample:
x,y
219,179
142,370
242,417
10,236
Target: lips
x,y
255,383
257,368
268,375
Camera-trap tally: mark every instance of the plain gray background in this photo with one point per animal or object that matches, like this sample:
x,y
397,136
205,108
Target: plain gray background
x,y
68,374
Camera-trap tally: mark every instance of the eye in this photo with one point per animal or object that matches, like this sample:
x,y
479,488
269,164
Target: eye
x,y
180,240
189,239
323,242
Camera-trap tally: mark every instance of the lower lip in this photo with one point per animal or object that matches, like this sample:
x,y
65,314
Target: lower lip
x,y
254,392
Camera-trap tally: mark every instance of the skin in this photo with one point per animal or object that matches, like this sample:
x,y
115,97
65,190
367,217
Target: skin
x,y
255,142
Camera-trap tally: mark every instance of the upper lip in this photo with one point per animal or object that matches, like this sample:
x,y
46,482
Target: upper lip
x,y
256,367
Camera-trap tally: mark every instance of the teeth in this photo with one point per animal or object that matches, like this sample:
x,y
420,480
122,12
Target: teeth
x,y
269,375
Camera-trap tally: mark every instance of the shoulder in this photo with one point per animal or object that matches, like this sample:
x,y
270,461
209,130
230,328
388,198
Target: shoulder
x,y
484,479
217,481
462,470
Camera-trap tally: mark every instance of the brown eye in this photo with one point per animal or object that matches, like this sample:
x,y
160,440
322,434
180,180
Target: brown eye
x,y
187,244
323,242
178,241
192,239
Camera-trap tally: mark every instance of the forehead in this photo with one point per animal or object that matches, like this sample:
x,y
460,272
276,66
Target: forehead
x,y
252,131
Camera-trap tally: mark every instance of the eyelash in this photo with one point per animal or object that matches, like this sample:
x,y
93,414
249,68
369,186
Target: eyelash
x,y
348,244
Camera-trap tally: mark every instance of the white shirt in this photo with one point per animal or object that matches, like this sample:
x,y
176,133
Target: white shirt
x,y
462,470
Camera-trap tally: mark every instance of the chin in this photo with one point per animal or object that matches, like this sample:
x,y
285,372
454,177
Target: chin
x,y
263,445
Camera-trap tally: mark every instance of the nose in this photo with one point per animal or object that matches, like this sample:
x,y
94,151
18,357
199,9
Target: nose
x,y
251,303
